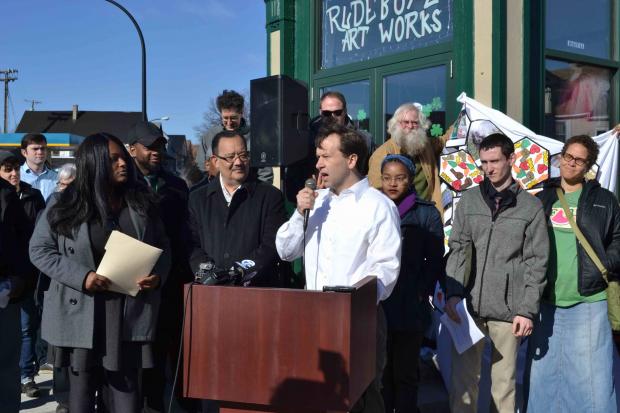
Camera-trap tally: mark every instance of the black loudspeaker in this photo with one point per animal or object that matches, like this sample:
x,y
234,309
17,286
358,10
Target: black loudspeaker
x,y
278,121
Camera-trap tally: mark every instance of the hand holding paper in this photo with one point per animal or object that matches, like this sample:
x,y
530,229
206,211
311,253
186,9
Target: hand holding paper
x,y
464,333
128,263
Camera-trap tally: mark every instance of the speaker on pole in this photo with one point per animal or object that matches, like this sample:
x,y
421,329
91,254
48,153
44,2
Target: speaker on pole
x,y
278,121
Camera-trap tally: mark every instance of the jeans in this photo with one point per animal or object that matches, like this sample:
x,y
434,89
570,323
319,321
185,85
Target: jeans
x,y
570,360
30,321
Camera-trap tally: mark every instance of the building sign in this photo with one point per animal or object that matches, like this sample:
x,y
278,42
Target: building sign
x,y
358,30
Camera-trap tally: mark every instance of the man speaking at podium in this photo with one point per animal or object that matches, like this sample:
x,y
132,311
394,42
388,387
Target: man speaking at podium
x,y
352,231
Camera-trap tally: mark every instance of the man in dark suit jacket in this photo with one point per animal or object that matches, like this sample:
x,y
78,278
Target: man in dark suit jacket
x,y
234,219
147,144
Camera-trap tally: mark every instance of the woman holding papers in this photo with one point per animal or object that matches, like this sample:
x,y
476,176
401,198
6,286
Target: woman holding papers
x,y
570,351
407,310
103,337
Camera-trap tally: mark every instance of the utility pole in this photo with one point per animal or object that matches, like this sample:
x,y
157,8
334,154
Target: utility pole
x,y
32,103
6,79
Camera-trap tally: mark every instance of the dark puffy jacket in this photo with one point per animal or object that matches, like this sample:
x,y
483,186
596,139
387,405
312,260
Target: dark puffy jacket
x,y
407,308
33,203
598,217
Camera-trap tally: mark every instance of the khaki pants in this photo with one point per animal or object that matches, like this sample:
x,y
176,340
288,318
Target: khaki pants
x,y
466,370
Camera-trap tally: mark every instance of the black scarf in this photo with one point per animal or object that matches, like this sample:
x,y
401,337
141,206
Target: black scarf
x,y
497,200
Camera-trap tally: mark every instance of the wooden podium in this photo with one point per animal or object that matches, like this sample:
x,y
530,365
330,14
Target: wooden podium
x,y
280,350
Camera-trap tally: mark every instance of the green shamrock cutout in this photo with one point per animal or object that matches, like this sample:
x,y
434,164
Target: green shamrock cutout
x,y
361,114
436,104
436,130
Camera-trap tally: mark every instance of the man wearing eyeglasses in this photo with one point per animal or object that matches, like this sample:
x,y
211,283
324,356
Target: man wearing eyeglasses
x,y
234,218
407,129
230,105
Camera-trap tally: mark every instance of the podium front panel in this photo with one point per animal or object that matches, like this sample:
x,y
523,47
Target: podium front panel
x,y
279,347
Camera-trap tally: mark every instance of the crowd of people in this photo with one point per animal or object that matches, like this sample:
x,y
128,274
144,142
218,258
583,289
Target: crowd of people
x,y
530,267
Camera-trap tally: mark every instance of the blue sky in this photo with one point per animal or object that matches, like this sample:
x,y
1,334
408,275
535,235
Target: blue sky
x,y
87,52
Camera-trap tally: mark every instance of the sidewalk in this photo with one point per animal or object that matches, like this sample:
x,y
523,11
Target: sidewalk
x,y
432,395
45,403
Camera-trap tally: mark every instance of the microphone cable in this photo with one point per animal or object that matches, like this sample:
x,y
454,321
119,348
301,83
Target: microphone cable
x,y
176,370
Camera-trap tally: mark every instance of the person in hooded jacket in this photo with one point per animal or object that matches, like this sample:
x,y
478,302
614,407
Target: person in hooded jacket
x,y
407,310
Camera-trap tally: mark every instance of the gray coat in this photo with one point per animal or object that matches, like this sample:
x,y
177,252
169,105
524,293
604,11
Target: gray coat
x,y
500,267
68,309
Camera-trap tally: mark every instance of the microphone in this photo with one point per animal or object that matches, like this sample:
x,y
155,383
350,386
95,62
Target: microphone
x,y
310,183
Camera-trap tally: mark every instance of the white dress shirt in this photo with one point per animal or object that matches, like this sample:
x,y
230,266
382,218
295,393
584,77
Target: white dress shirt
x,y
349,236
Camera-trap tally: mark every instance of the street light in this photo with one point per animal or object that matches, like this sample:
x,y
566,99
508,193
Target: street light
x,y
160,119
135,23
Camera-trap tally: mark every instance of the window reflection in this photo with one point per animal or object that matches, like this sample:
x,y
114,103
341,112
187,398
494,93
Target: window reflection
x,y
358,101
579,27
576,99
424,86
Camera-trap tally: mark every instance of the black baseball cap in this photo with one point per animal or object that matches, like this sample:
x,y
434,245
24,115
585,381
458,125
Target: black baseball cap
x,y
6,155
145,133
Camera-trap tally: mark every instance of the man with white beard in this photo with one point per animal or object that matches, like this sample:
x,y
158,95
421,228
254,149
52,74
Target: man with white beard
x,y
407,129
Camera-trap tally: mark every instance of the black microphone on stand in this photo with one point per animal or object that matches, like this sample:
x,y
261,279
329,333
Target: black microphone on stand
x,y
310,183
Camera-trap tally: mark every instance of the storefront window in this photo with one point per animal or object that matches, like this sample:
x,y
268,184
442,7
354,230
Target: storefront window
x,y
580,27
577,99
358,101
425,86
360,30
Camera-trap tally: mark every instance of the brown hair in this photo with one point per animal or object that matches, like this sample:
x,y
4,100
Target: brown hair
x,y
33,138
351,142
588,143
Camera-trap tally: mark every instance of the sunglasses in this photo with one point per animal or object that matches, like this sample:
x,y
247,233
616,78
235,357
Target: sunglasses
x,y
328,113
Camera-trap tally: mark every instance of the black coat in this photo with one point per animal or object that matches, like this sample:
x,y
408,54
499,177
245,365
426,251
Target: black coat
x,y
598,217
172,196
407,308
32,203
14,236
244,230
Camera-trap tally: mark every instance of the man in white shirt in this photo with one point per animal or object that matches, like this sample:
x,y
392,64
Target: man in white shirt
x,y
353,231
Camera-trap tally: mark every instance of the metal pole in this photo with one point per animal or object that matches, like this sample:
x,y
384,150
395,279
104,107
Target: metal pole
x,y
135,23
6,104
7,78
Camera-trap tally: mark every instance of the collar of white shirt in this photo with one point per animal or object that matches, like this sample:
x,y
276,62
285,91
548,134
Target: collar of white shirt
x,y
227,195
356,189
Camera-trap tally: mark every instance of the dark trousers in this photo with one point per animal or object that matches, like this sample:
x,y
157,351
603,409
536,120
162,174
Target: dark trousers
x,y
372,400
10,345
60,385
401,375
118,389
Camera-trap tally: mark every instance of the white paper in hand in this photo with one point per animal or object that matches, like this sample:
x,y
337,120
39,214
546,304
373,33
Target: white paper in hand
x,y
464,334
126,260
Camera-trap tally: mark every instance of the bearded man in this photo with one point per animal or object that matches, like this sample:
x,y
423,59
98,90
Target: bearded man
x,y
407,129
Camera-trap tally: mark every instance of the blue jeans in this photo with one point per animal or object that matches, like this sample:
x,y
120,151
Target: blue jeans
x,y
30,321
570,360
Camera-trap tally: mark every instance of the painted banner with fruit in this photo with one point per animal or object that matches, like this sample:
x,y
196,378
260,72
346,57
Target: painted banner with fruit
x,y
537,156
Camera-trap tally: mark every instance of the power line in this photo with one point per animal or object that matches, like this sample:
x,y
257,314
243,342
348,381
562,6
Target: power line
x,y
13,111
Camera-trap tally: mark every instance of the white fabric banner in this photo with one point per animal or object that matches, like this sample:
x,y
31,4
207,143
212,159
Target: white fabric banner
x,y
608,144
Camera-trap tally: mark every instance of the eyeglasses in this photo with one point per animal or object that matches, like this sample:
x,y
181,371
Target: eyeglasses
x,y
328,113
399,179
230,158
570,158
413,123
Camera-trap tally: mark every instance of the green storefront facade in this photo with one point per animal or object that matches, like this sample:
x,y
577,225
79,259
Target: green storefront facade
x,y
550,64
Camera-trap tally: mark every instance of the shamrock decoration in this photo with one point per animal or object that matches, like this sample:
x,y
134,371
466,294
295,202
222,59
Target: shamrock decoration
x,y
436,130
361,114
436,104
427,109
